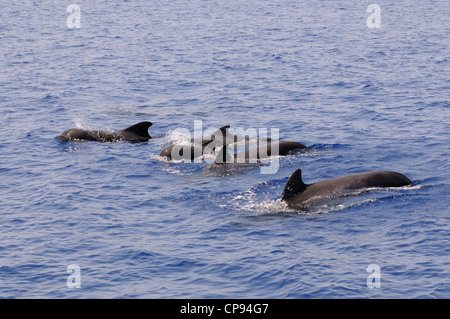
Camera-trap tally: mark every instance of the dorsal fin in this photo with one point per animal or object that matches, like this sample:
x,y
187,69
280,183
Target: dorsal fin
x,y
222,156
140,129
293,186
221,133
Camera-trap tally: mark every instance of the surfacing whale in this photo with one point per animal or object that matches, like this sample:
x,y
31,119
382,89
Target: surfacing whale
x,y
282,148
134,133
253,155
193,150
299,195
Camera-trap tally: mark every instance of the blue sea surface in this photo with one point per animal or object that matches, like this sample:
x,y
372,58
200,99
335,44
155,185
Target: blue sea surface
x,y
139,226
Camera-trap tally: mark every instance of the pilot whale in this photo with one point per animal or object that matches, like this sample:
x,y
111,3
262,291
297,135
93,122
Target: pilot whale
x,y
252,155
134,133
282,148
184,151
297,194
230,138
193,150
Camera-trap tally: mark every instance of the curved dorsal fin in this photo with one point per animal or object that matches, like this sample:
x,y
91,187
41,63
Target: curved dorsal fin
x,y
140,129
222,131
294,185
221,134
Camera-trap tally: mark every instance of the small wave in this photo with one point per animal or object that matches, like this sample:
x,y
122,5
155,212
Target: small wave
x,y
172,170
180,167
159,158
87,125
227,170
267,207
255,200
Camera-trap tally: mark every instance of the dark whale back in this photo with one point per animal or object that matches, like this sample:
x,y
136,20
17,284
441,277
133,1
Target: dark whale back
x,y
181,152
282,148
297,193
76,134
134,133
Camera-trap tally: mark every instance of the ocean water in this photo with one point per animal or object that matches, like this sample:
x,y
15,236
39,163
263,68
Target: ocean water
x,y
134,225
